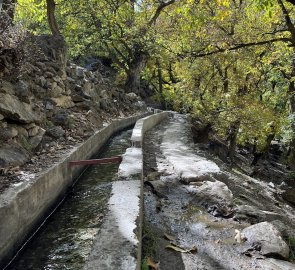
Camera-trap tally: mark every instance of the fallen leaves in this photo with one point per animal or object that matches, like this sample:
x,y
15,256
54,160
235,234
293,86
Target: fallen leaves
x,y
240,237
169,237
152,264
182,250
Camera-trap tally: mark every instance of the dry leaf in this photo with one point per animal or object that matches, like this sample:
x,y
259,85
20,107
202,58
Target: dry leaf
x,y
179,249
218,241
152,264
240,237
169,237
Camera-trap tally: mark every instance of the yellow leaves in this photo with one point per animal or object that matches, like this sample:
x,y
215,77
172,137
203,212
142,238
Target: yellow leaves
x,y
182,250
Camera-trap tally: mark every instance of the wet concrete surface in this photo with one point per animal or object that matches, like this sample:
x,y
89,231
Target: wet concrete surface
x,y
185,216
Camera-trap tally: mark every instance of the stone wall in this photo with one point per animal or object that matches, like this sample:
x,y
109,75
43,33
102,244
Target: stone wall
x,y
51,100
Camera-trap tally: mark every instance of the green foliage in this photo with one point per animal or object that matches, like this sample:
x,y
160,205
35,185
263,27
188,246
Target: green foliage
x,y
208,58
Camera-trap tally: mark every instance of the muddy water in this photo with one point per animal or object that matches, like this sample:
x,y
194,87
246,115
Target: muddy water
x,y
64,243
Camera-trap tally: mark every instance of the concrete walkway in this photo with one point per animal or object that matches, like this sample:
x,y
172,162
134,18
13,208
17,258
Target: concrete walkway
x,y
118,244
188,191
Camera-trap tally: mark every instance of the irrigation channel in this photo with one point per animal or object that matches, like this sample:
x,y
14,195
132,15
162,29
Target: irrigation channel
x,y
65,241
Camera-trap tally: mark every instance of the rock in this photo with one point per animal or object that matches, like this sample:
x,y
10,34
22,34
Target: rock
x,y
140,105
49,105
289,195
213,191
249,213
282,228
273,264
29,126
22,91
43,82
13,109
56,91
33,131
36,140
132,97
104,104
94,119
80,72
77,98
61,119
1,117
13,155
55,132
64,102
21,131
7,133
7,88
269,237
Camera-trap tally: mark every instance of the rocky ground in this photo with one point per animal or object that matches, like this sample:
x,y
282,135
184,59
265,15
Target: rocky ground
x,y
202,214
51,105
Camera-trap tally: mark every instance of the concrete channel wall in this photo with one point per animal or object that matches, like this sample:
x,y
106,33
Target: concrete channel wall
x,y
118,244
23,207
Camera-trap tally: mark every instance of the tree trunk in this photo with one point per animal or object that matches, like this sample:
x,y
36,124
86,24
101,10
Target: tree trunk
x,y
291,92
160,82
132,83
51,18
232,138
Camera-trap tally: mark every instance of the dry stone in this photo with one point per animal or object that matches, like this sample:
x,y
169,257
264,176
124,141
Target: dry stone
x,y
269,237
36,140
13,155
33,131
64,102
12,108
289,195
7,88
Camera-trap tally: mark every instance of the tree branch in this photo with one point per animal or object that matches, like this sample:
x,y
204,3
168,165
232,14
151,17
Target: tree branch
x,y
240,46
288,20
158,12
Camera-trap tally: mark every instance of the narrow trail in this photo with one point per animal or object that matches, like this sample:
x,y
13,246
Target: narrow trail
x,y
199,203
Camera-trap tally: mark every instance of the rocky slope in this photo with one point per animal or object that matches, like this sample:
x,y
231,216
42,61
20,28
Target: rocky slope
x,y
49,104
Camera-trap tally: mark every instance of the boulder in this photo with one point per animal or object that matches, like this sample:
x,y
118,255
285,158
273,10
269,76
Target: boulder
x,y
55,132
132,97
12,108
33,131
36,140
213,191
270,239
7,88
61,118
1,117
289,195
273,264
64,102
22,91
254,215
21,131
7,133
13,155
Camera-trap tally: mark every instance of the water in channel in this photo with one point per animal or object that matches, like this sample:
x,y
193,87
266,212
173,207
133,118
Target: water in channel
x,y
65,241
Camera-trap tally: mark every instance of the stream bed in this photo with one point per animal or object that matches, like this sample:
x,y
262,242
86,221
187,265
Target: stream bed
x,y
65,241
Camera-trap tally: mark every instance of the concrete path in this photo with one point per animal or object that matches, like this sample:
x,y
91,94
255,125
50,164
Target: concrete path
x,y
188,191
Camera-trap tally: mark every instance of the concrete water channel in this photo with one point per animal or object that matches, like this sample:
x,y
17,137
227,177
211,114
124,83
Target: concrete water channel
x,y
66,239
99,225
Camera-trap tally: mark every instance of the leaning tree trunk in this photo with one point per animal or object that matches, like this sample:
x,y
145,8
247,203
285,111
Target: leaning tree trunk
x,y
51,18
291,92
232,138
133,75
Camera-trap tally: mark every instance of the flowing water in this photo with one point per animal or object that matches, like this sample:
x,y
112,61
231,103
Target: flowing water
x,y
65,241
